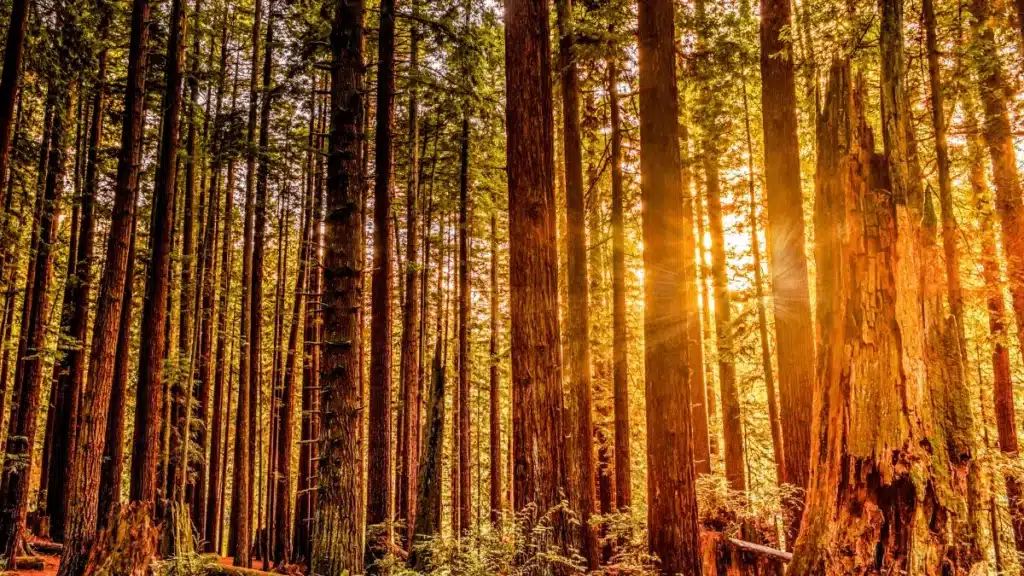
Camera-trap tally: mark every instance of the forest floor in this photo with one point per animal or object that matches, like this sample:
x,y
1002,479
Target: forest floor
x,y
51,563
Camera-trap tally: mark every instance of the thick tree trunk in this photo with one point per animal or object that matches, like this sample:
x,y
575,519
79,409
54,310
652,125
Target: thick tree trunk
x,y
410,361
24,415
794,332
379,455
891,434
87,468
620,336
539,476
579,409
671,491
337,541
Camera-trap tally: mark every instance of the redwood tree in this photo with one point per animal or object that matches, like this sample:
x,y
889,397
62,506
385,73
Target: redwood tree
x,y
671,490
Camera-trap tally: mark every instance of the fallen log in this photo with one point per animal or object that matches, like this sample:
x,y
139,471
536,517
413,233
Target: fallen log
x,y
236,571
47,547
761,550
28,563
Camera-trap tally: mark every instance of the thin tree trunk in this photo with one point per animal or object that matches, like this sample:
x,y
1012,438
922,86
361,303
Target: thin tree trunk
x,y
20,442
465,234
671,493
762,316
579,409
240,534
495,382
379,455
620,337
337,540
410,361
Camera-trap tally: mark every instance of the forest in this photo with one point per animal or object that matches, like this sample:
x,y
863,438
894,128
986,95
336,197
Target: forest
x,y
517,288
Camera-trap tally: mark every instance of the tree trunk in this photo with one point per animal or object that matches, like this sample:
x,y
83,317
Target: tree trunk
x,y
495,382
579,409
891,434
153,339
671,491
694,345
17,26
762,316
212,370
410,361
465,222
794,332
240,535
539,476
24,415
620,337
428,492
705,320
337,541
379,496
107,327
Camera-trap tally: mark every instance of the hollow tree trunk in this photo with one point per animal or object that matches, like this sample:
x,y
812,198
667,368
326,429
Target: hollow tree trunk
x,y
883,494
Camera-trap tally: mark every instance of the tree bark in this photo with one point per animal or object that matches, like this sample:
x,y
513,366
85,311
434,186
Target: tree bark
x,y
410,361
379,493
579,413
794,332
21,439
539,476
17,26
428,492
465,470
495,381
671,491
882,493
107,328
337,540
620,337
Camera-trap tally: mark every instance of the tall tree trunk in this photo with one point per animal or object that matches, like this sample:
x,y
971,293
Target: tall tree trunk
x,y
24,415
538,435
240,535
153,339
212,368
732,417
10,78
705,320
620,336
998,136
905,435
465,470
579,409
694,344
87,468
671,490
379,455
495,381
410,362
337,541
762,316
711,149
794,331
